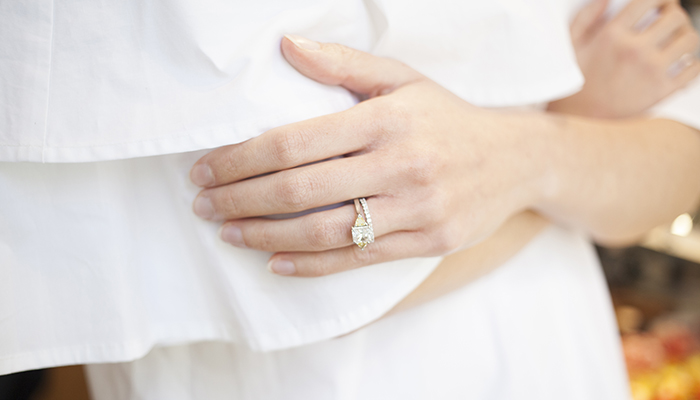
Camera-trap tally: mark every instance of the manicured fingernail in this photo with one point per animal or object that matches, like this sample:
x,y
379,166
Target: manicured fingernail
x,y
232,234
281,267
303,43
203,207
201,175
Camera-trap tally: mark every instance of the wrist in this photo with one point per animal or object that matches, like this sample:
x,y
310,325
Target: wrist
x,y
539,152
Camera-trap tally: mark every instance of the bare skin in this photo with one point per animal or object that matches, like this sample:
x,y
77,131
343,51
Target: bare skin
x,y
628,70
598,98
421,139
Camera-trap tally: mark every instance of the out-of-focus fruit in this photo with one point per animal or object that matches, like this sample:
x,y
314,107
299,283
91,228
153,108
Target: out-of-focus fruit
x,y
676,384
642,353
692,365
643,387
677,338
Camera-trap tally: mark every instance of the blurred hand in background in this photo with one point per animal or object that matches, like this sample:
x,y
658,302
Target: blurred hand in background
x,y
631,61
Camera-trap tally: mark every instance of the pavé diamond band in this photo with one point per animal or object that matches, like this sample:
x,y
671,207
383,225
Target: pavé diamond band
x,y
362,231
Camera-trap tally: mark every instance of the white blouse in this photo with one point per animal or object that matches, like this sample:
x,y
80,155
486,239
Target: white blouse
x,y
101,258
92,81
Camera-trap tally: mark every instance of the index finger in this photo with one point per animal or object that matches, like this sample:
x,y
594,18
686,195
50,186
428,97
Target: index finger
x,y
636,9
287,147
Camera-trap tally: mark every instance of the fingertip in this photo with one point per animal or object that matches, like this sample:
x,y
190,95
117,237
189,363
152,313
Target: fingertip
x,y
204,208
233,235
202,175
303,43
299,52
281,267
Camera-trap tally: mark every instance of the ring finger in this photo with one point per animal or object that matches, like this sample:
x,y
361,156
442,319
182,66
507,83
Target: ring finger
x,y
685,43
318,231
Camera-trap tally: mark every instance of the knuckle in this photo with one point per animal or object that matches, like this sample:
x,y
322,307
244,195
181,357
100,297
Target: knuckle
x,y
225,203
223,162
392,113
295,191
376,108
324,233
440,248
423,168
397,113
228,163
445,239
436,208
385,123
262,240
287,148
630,51
392,118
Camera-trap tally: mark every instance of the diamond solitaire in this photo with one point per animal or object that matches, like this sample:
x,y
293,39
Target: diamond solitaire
x,y
362,232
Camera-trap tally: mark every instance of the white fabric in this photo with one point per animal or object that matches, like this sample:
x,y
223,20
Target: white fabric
x,y
82,80
539,327
101,261
124,265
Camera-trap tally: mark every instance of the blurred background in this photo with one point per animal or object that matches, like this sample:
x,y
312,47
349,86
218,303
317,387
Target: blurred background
x,y
655,288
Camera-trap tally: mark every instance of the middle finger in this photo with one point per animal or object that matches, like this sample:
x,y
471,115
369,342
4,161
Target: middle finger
x,y
663,29
294,190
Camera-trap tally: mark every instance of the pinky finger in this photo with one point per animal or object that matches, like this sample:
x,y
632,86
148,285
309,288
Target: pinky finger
x,y
394,246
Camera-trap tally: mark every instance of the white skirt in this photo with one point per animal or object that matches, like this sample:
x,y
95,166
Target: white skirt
x,y
105,263
540,327
100,262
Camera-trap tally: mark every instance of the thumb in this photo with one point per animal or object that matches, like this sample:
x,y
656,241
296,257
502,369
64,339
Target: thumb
x,y
337,65
587,18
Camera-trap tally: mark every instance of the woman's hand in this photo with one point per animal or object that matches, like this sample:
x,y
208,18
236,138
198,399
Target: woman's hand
x,y
438,173
629,66
461,268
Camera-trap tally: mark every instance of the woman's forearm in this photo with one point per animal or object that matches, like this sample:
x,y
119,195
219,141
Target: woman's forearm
x,y
617,179
667,196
